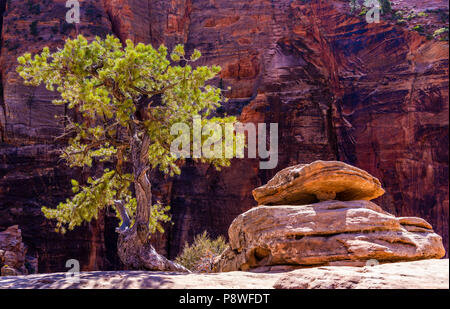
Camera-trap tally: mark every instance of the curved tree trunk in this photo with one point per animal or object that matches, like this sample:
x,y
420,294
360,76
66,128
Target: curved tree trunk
x,y
134,248
126,222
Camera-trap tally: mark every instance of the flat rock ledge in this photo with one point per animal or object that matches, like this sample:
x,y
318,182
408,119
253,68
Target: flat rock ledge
x,y
425,274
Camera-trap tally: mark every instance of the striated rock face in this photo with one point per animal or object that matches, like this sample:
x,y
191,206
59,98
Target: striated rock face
x,y
318,181
375,96
30,178
31,174
27,115
326,233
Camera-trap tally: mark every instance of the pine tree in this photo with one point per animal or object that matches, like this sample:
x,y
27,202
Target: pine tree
x,y
126,99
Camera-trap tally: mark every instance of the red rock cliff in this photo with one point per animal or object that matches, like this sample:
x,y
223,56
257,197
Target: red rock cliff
x,y
372,95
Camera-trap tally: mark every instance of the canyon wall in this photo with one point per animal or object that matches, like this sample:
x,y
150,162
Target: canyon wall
x,y
372,95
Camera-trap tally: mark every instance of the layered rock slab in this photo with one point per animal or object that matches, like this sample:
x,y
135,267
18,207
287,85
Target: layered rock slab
x,y
326,233
319,181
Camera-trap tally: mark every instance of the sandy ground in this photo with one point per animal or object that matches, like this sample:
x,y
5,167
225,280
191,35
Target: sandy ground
x,y
425,274
144,280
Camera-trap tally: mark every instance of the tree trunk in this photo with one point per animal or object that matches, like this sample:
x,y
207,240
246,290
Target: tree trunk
x,y
126,222
134,248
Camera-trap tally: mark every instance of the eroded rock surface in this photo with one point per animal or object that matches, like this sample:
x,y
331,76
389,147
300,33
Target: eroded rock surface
x,y
319,181
326,233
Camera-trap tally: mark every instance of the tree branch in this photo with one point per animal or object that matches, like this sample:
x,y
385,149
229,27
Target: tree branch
x,y
126,222
150,93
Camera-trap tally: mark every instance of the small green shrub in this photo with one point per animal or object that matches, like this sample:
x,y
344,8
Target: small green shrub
x,y
363,11
401,22
397,15
441,33
418,28
200,255
411,16
422,14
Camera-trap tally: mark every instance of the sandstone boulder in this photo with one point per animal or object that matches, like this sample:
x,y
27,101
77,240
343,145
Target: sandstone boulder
x,y
319,181
326,233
